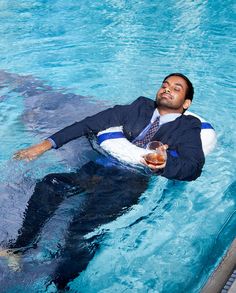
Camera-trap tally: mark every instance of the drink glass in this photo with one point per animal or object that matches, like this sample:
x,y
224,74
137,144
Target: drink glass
x,y
157,155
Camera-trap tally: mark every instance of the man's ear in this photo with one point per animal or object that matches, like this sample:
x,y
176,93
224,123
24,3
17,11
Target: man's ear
x,y
187,104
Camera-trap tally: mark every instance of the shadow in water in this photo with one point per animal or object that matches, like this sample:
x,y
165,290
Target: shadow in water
x,y
106,192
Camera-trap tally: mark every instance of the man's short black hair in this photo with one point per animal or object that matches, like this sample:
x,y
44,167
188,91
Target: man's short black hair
x,y
190,90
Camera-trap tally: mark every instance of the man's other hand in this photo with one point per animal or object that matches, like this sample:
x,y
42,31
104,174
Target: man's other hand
x,y
33,152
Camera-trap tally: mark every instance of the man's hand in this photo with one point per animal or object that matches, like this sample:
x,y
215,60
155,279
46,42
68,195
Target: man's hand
x,y
33,152
151,166
155,167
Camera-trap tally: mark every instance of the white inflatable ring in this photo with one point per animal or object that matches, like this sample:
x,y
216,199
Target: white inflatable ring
x,y
114,142
208,134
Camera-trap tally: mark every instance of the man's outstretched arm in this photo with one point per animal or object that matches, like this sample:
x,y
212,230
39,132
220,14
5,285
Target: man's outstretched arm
x,y
110,117
33,151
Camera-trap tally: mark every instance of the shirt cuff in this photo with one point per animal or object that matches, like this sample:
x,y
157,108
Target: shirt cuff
x,y
52,142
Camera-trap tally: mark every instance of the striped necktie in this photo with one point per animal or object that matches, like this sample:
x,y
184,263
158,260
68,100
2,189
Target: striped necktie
x,y
149,134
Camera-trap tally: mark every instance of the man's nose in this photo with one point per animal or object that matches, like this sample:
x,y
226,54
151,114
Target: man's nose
x,y
167,90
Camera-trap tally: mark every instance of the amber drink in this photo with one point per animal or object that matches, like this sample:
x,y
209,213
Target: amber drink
x,y
157,155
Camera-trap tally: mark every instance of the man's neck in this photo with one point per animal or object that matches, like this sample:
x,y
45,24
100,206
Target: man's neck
x,y
164,111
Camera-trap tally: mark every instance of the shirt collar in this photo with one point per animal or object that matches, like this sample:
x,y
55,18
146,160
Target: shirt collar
x,y
164,118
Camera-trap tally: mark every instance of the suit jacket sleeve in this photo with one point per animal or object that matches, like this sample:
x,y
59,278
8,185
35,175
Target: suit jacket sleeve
x,y
115,116
188,163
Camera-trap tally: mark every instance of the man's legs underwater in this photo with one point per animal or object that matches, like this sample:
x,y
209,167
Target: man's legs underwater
x,y
109,192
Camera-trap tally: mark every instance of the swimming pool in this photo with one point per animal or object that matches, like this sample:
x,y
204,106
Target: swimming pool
x,y
112,52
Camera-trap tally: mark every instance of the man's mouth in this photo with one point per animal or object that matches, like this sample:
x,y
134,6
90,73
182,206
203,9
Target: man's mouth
x,y
167,96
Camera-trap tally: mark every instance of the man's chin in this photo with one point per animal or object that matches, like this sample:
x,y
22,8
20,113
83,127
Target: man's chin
x,y
164,103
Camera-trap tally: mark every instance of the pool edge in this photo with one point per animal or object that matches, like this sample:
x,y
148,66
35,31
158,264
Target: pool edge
x,y
222,273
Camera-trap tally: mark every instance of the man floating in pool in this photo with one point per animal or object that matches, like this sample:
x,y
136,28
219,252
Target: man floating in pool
x,y
179,132
108,191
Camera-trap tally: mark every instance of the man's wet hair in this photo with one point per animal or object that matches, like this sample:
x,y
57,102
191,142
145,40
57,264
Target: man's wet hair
x,y
190,90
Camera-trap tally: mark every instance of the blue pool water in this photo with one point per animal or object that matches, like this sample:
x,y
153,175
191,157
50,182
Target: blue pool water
x,y
112,52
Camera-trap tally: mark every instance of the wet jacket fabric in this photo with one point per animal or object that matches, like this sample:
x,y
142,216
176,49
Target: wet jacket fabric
x,y
185,157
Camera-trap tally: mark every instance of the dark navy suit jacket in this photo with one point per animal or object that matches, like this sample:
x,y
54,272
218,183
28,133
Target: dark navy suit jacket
x,y
185,157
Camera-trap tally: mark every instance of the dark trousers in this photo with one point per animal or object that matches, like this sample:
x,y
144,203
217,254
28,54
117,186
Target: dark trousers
x,y
109,192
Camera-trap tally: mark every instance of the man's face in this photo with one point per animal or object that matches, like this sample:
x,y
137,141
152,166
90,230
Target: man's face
x,y
171,95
